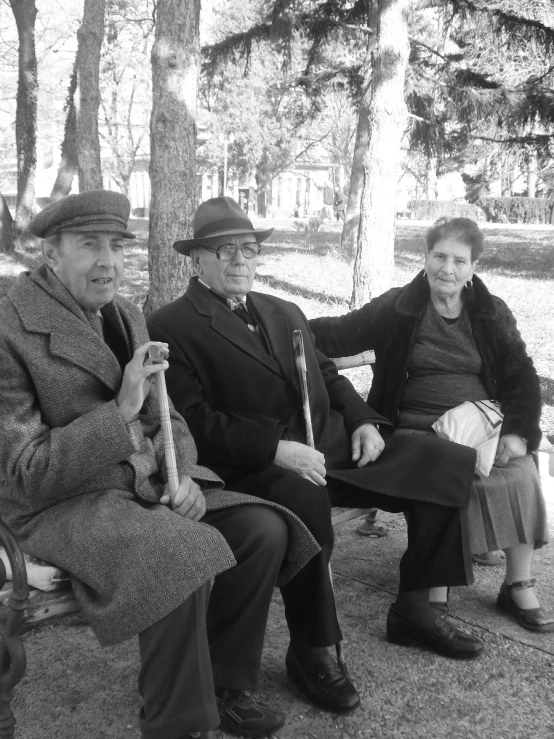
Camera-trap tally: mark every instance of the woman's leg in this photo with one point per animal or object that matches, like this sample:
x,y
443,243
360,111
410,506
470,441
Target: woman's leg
x,y
518,568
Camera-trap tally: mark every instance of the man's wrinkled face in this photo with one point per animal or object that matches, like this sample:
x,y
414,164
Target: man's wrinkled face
x,y
90,265
232,275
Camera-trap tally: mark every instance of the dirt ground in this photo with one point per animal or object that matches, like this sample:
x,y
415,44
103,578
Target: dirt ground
x,y
73,689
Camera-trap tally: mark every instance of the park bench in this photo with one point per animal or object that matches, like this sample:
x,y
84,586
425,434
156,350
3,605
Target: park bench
x,y
23,608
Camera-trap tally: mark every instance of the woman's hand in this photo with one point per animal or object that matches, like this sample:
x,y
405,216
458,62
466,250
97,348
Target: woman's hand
x,y
136,385
510,446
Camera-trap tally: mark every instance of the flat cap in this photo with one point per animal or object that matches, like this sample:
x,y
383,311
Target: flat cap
x,y
93,210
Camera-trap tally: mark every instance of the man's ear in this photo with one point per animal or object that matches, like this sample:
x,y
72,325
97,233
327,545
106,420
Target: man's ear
x,y
51,253
195,256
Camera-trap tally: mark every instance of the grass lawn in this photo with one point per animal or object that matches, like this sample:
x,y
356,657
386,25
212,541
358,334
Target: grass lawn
x,y
518,265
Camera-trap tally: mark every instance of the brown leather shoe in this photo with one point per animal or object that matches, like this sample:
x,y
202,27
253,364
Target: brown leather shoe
x,y
325,682
442,637
534,619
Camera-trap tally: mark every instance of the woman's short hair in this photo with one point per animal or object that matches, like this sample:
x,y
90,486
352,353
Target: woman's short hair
x,y
463,230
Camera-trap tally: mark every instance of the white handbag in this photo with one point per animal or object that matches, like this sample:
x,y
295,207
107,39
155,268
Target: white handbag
x,y
476,424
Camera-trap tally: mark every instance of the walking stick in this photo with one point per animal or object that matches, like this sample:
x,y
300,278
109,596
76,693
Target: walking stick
x,y
165,417
169,448
300,360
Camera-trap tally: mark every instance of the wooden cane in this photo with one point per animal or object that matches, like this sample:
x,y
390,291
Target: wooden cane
x,y
165,417
300,360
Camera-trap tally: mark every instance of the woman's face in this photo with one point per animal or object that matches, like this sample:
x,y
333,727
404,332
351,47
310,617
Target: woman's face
x,y
448,266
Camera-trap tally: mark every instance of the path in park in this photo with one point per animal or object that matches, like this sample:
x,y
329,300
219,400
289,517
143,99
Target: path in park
x,y
74,689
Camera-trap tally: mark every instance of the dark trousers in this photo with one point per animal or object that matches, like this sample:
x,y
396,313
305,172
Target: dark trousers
x,y
217,642
437,552
308,598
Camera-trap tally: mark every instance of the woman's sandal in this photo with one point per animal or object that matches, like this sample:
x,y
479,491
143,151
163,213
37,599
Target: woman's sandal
x,y
534,619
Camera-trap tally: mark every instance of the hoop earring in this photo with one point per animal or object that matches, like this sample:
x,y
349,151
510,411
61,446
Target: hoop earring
x,y
425,277
468,285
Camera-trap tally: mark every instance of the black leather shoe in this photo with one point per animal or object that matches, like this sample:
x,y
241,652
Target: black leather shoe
x,y
243,715
440,607
534,619
442,637
325,683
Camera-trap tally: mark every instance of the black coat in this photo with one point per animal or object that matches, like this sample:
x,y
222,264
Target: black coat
x,y
388,325
239,400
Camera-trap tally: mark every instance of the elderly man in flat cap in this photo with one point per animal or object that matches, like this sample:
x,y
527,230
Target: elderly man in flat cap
x,y
232,376
83,486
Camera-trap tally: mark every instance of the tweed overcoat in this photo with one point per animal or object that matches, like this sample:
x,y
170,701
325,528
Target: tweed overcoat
x,y
80,488
239,400
388,325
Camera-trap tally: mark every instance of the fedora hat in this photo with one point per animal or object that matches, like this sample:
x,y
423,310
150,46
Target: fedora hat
x,y
219,217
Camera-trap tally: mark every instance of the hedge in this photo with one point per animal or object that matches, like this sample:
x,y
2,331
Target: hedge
x,y
517,209
431,210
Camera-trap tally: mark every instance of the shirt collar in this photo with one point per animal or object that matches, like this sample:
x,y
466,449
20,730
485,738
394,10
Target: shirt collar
x,y
228,301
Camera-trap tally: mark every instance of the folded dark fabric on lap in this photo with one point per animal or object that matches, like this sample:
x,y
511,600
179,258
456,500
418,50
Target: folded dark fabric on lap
x,y
417,467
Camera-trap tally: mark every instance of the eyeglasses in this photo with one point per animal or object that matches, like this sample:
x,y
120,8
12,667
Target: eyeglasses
x,y
226,252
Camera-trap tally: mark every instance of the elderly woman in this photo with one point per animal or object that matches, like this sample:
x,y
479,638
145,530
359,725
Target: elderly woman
x,y
444,339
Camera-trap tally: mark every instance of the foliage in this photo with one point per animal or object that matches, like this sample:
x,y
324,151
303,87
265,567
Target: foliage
x,y
484,92
432,210
125,85
517,209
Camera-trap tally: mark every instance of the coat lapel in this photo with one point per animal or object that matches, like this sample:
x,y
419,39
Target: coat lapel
x,y
71,336
278,332
223,322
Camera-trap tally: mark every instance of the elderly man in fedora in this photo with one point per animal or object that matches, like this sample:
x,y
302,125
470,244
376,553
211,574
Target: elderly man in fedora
x,y
83,486
232,376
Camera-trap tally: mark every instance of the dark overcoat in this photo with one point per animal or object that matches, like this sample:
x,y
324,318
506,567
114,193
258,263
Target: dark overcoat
x,y
80,488
388,325
240,399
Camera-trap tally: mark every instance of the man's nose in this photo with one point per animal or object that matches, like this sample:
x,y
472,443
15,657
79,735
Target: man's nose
x,y
239,256
106,256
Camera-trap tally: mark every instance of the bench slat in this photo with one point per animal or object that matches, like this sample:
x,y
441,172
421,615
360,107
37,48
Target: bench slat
x,y
340,515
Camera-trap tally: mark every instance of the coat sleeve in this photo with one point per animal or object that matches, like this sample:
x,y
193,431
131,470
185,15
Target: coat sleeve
x,y
343,397
51,463
243,440
349,334
518,383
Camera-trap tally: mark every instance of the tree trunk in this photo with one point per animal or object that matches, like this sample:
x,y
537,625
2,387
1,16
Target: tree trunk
x,y
349,238
25,13
175,67
374,265
431,179
532,173
6,228
69,163
263,184
89,39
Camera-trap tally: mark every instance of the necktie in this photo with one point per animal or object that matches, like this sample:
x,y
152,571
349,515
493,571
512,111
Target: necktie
x,y
242,312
